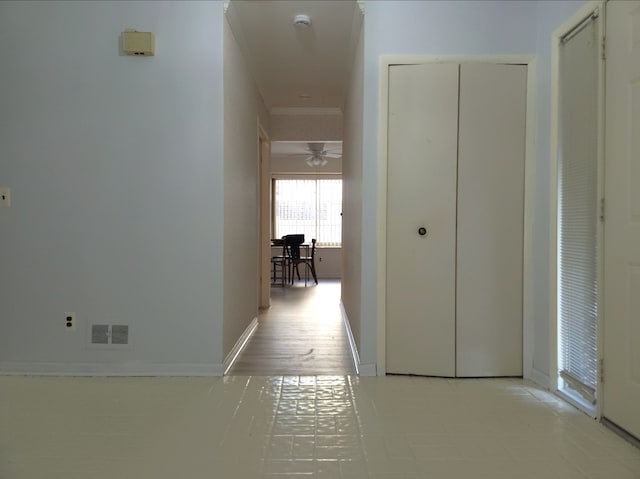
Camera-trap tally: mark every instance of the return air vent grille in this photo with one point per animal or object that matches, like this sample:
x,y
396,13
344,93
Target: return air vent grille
x,y
110,334
119,334
100,334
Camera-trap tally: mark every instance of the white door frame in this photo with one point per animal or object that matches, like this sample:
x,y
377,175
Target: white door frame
x,y
264,222
529,191
561,31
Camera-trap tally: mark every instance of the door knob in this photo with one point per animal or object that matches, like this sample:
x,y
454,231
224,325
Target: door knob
x,y
422,231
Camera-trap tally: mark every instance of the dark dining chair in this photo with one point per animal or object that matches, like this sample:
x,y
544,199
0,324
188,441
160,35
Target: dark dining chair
x,y
292,246
280,263
309,263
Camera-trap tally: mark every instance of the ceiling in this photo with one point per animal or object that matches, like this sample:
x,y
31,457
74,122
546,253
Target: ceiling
x,y
296,66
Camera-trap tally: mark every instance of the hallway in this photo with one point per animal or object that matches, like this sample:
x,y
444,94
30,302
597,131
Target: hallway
x,y
301,334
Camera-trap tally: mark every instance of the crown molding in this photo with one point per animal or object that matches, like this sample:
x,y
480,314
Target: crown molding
x,y
292,111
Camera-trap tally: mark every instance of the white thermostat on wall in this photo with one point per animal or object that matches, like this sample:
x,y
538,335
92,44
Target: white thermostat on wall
x,y
138,43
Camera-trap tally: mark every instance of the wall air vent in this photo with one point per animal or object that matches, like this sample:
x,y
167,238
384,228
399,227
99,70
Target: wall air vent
x,y
100,334
110,335
119,334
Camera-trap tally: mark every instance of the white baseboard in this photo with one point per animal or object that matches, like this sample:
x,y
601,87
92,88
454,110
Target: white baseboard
x,y
28,368
352,342
540,378
240,344
361,369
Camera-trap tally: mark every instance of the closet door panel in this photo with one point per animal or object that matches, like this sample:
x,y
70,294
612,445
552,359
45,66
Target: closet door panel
x,y
421,192
490,220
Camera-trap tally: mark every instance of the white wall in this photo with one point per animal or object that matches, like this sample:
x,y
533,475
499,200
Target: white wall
x,y
299,124
352,196
425,28
329,263
243,106
115,166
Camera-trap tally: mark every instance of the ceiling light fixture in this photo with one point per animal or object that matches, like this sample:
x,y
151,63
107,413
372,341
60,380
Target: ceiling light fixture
x,y
302,21
318,155
316,160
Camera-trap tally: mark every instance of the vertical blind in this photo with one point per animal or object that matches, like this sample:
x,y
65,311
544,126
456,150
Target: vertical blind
x,y
578,212
311,207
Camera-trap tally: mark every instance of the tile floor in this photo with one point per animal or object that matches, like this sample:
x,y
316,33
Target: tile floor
x,y
299,427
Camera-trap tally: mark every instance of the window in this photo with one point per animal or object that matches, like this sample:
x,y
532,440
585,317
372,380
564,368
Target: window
x,y
308,206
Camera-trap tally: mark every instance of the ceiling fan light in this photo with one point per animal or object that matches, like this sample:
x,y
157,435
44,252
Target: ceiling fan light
x,y
316,160
319,155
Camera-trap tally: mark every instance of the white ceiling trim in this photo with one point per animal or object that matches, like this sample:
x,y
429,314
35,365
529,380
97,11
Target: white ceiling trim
x,y
305,111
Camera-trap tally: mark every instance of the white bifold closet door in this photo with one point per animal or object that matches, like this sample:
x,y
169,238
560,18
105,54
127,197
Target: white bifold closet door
x,y
456,169
490,220
421,192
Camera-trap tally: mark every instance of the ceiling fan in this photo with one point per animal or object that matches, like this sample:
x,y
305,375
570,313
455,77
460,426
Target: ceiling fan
x,y
319,155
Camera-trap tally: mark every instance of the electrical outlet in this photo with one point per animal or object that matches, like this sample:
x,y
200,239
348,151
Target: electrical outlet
x,y
70,321
5,197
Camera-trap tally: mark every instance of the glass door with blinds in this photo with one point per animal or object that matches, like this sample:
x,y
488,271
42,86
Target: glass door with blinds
x,y
578,212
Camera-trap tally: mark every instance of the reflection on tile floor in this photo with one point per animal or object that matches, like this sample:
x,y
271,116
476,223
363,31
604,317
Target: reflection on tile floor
x,y
299,427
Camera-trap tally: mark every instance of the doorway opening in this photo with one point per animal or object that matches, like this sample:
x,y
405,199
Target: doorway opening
x,y
302,76
302,332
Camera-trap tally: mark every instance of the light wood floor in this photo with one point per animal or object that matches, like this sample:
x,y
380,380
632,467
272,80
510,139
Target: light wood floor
x,y
301,334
